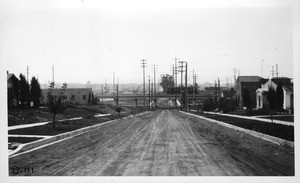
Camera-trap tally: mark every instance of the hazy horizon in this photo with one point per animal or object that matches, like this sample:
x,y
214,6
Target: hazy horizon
x,y
92,44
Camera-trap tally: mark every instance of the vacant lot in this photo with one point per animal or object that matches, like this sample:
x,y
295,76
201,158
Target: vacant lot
x,y
273,129
28,116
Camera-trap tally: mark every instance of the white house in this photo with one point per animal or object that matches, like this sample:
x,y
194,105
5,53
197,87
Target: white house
x,y
288,94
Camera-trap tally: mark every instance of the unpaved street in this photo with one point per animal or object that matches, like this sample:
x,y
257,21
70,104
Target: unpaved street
x,y
163,142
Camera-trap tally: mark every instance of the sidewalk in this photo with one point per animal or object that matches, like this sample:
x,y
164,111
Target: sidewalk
x,y
254,118
33,136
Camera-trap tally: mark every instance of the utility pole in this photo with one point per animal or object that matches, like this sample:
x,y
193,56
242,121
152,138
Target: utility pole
x,y
53,73
113,83
176,59
262,68
152,97
234,76
173,74
219,87
117,95
277,70
149,100
27,73
181,72
186,86
272,71
143,66
194,85
154,72
216,98
105,86
102,94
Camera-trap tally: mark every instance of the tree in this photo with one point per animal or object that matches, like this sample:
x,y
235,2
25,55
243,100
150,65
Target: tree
x,y
166,82
209,104
24,91
226,105
246,97
56,103
279,96
89,98
271,98
118,110
13,92
35,92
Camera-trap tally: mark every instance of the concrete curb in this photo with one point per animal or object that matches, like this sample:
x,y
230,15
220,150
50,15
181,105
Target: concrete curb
x,y
269,138
31,145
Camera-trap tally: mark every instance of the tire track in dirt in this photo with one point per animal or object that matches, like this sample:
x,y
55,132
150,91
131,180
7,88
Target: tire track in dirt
x,y
163,142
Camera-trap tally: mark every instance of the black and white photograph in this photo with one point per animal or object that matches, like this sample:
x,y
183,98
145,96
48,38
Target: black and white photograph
x,y
174,91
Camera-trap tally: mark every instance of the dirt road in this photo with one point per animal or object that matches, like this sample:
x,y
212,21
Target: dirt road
x,y
163,142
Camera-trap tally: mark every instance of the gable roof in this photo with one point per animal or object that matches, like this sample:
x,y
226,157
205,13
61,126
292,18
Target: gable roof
x,y
283,80
249,79
11,76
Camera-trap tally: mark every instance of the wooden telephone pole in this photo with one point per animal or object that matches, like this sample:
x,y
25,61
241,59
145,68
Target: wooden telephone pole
x,y
143,66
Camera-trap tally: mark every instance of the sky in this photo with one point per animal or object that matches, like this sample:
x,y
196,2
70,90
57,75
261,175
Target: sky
x,y
86,43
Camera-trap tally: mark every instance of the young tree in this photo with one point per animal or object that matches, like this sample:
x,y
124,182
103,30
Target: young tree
x,y
118,110
279,96
166,82
35,92
56,104
24,91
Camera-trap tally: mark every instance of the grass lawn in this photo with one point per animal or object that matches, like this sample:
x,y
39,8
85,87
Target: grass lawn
x,y
28,116
273,129
281,118
65,126
22,140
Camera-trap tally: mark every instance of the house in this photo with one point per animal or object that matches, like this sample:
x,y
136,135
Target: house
x,y
288,92
78,96
12,90
250,84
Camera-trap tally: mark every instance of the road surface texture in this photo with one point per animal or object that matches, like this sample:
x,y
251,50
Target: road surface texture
x,y
163,142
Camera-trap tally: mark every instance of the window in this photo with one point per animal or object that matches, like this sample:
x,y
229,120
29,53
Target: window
x,y
84,97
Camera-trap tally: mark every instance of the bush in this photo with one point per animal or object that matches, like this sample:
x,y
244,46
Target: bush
x,y
209,105
257,112
227,105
